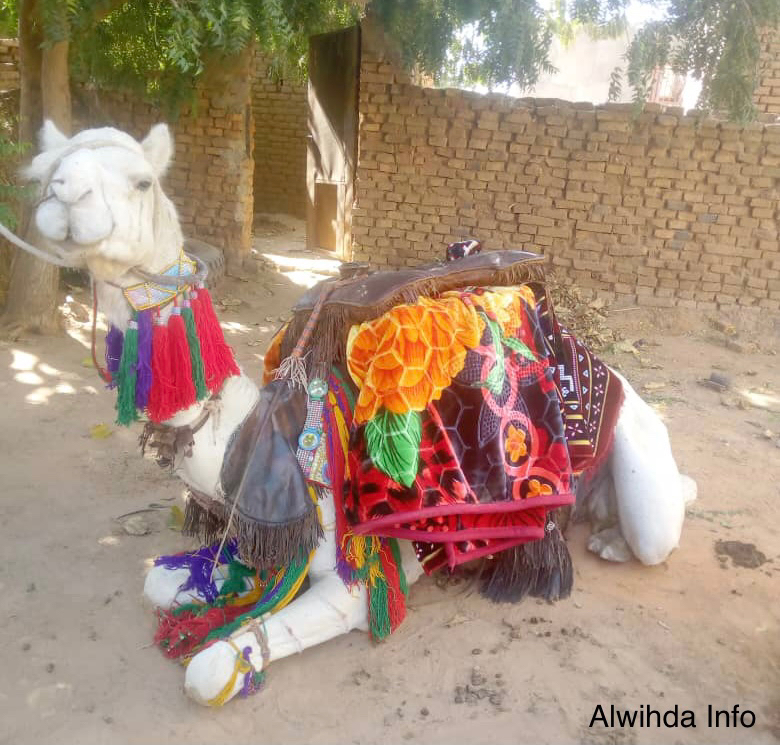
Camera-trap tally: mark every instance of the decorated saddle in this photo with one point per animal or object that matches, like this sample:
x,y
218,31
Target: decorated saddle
x,y
468,412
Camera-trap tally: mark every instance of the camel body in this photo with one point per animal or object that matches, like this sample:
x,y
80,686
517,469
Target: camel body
x,y
103,209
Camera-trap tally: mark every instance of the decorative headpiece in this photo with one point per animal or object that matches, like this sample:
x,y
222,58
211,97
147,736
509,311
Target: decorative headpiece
x,y
163,366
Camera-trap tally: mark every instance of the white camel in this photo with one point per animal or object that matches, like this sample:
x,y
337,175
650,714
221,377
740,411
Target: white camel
x,y
103,209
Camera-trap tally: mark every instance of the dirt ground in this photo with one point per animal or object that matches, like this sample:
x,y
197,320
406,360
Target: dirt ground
x,y
699,630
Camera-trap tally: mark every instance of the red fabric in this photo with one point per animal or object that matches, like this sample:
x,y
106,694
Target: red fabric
x,y
492,463
493,459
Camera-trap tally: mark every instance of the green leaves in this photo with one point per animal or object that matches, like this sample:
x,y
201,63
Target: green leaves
x,y
494,381
520,347
393,442
159,47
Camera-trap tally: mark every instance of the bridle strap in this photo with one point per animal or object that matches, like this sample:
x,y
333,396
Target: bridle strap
x,y
105,374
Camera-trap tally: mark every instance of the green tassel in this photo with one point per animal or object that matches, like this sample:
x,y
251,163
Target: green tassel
x,y
236,581
125,403
379,619
198,376
396,549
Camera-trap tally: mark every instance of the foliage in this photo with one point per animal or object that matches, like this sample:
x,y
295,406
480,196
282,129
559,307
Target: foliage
x,y
10,157
9,18
160,47
718,41
492,42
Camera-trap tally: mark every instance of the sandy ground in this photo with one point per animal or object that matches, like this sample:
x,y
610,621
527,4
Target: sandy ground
x,y
77,665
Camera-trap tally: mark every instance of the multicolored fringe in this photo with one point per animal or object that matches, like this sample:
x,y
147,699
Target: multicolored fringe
x,y
376,562
370,559
162,367
187,628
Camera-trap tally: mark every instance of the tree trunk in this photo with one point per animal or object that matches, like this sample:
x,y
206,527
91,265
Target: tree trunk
x,y
55,86
227,81
45,93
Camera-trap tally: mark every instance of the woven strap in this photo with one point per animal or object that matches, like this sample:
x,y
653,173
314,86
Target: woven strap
x,y
241,667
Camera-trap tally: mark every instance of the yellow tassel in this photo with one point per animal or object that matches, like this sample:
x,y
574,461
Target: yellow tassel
x,y
375,573
355,549
362,552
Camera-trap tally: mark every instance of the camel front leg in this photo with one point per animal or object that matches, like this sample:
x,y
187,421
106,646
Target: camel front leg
x,y
326,610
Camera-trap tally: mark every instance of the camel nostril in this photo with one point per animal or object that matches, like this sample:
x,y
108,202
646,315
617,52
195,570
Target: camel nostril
x,y
65,194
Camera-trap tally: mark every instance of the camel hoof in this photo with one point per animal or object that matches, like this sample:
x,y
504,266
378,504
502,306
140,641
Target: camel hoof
x,y
610,545
209,673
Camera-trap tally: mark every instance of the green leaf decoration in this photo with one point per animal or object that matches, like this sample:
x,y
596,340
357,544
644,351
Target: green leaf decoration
x,y
495,379
394,444
517,346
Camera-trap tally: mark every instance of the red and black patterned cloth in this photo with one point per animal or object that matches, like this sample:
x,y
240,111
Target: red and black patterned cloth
x,y
498,447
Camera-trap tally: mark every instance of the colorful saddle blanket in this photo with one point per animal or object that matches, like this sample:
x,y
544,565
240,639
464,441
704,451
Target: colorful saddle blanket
x,y
474,410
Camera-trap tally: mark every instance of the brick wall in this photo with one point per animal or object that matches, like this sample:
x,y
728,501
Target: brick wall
x,y
767,95
280,112
9,64
662,210
210,179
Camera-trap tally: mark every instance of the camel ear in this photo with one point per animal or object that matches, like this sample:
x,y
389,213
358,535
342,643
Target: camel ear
x,y
50,137
158,148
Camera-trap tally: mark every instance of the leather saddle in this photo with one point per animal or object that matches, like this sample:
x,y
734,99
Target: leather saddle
x,y
381,288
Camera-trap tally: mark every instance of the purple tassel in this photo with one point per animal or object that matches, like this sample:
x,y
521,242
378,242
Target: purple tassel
x,y
114,342
246,688
200,564
345,571
143,383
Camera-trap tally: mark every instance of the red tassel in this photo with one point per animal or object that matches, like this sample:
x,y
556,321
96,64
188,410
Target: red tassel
x,y
178,635
396,600
181,362
162,396
218,360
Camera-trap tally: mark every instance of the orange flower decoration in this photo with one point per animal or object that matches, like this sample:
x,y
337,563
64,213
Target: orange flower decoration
x,y
505,305
404,359
515,443
536,488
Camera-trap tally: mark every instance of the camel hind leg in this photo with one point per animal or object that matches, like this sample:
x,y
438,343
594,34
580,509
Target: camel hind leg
x,y
650,492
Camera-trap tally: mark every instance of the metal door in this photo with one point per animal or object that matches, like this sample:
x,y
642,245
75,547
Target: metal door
x,y
334,70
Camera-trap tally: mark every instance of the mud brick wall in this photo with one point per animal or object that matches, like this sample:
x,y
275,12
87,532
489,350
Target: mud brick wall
x,y
210,177
280,112
661,210
9,64
767,95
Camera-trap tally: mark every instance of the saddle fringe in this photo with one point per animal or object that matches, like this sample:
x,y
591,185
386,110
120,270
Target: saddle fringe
x,y
541,569
259,546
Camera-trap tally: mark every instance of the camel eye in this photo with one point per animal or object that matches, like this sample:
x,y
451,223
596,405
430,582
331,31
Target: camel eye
x,y
144,184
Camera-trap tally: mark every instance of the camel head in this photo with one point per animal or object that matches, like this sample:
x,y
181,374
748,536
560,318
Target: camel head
x,y
101,206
